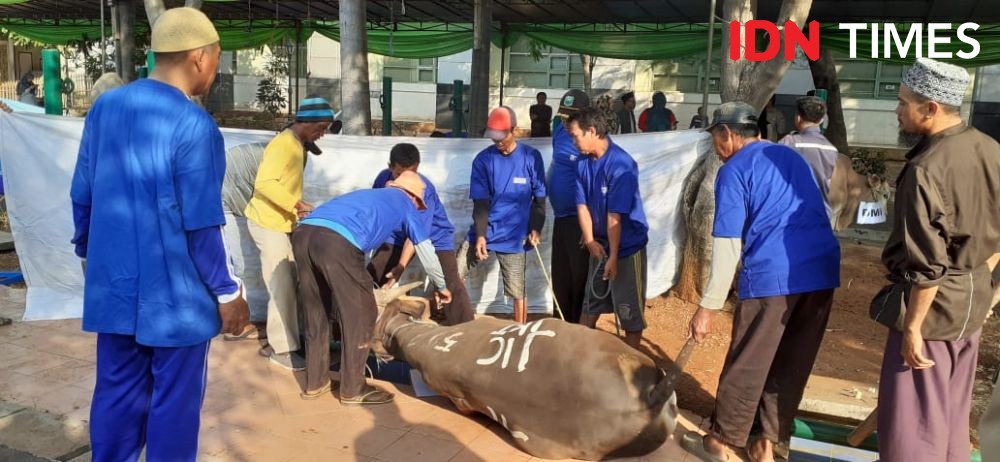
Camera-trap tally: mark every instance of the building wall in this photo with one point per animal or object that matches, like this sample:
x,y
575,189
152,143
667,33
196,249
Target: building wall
x,y
869,121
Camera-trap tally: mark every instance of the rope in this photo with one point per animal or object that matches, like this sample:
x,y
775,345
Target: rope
x,y
541,264
593,274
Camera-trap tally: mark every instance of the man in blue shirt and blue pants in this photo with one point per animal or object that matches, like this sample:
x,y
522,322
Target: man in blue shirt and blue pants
x,y
507,189
330,247
770,216
613,224
147,208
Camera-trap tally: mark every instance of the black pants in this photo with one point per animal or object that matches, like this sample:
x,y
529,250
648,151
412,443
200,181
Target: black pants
x,y
569,267
333,283
459,310
771,354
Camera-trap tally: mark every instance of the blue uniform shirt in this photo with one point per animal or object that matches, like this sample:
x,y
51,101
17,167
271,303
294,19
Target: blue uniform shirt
x,y
149,169
611,185
370,216
510,183
563,173
766,195
435,217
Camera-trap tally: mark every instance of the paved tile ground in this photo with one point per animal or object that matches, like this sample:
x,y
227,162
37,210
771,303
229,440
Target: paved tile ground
x,y
252,411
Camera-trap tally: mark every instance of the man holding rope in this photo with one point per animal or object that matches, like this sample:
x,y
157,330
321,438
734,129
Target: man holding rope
x,y
613,225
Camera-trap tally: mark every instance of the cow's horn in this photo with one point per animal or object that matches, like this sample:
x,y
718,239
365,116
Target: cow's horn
x,y
384,296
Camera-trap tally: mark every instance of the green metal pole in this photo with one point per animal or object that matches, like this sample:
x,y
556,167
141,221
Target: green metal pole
x,y
150,61
456,109
386,106
52,81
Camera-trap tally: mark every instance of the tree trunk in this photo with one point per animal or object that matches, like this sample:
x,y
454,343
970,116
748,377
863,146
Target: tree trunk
x,y
755,82
354,85
479,92
742,80
824,74
588,62
126,28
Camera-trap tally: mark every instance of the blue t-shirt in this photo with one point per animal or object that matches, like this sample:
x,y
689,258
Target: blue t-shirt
x,y
510,183
767,196
611,185
562,173
150,169
435,217
370,216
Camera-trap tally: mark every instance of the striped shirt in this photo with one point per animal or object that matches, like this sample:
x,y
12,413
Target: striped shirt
x,y
819,153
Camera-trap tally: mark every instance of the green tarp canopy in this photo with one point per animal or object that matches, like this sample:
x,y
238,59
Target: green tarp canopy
x,y
423,40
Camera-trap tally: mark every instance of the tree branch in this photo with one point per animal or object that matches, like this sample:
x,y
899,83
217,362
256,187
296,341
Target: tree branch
x,y
154,8
766,76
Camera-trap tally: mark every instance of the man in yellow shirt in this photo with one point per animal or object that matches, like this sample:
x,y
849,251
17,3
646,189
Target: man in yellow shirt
x,y
273,211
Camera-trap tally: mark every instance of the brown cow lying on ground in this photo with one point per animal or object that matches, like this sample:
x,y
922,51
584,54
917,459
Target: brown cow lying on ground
x,y
848,189
561,390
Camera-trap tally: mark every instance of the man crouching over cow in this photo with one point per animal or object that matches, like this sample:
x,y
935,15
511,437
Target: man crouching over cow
x,y
390,260
613,224
769,216
330,247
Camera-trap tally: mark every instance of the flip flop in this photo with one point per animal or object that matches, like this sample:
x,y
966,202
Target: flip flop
x,y
695,444
372,396
311,395
5,321
249,333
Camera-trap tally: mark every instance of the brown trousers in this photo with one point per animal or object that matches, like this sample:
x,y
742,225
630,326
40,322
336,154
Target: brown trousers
x,y
333,283
459,310
773,347
923,415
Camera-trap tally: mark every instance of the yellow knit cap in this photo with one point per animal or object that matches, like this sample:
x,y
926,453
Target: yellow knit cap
x,y
182,29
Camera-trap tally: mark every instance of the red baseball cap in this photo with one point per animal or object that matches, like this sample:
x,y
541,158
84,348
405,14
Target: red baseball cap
x,y
501,122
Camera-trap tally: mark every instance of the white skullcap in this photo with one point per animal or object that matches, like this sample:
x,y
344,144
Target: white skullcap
x,y
182,29
937,81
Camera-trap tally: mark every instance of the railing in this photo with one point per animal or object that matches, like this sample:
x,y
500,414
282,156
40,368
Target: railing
x,y
8,90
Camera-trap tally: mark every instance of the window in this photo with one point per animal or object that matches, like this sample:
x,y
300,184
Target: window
x,y
555,69
411,70
684,75
866,78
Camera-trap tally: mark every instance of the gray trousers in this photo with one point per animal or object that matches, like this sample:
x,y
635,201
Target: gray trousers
x,y
923,415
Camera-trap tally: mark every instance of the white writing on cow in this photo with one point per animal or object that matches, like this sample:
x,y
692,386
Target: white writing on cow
x,y
526,331
449,342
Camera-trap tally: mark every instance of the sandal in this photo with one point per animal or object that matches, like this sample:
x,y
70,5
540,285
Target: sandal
x,y
5,321
310,395
695,444
249,333
372,396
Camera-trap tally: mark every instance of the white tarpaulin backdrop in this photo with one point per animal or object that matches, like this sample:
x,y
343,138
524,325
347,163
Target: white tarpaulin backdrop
x,y
38,154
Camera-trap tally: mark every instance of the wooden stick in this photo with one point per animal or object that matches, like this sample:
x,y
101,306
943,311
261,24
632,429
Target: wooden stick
x,y
864,429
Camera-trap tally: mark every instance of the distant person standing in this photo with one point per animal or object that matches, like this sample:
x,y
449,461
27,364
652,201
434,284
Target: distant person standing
x,y
26,89
541,117
699,120
808,140
658,118
626,116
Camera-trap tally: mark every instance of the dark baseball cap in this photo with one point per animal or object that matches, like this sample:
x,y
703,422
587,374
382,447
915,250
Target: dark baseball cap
x,y
573,101
733,113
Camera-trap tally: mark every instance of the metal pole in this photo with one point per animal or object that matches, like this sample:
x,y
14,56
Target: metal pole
x,y
386,106
104,47
503,60
458,109
708,61
298,67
